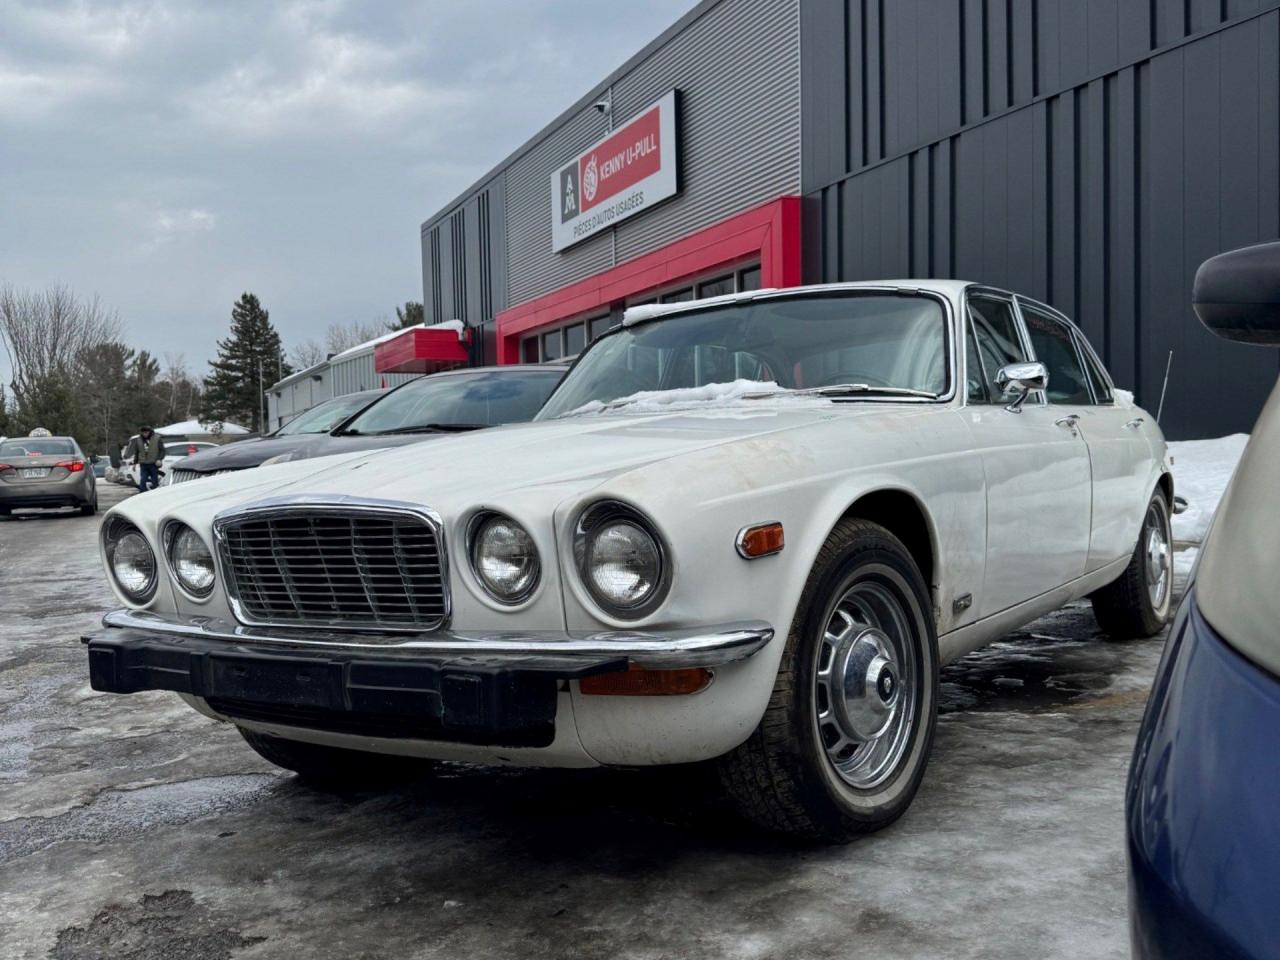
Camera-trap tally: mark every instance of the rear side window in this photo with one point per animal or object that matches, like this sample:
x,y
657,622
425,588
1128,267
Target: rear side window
x,y
1101,389
1055,347
995,342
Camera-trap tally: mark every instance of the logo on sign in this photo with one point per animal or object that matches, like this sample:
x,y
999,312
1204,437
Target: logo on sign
x,y
591,179
569,193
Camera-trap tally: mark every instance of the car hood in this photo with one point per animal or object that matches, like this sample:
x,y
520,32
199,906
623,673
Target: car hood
x,y
456,472
253,453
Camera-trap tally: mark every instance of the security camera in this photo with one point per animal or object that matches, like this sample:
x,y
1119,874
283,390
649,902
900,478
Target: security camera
x,y
604,106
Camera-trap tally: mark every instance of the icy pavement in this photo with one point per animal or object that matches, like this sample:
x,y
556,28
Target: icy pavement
x,y
133,827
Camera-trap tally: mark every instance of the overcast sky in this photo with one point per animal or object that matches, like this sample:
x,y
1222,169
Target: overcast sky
x,y
168,155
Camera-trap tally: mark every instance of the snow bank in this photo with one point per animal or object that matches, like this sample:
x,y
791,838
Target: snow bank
x,y
711,395
1201,471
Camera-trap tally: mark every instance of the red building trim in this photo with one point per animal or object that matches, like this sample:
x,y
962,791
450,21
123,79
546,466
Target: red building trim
x,y
771,232
421,351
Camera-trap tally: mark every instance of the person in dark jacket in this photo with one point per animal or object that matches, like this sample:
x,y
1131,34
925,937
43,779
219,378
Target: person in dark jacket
x,y
146,450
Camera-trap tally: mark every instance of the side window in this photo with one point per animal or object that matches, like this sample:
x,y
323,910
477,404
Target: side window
x,y
1101,389
1056,349
975,378
996,342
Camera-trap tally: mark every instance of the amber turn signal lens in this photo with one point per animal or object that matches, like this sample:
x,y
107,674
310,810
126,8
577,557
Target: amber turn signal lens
x,y
646,683
760,541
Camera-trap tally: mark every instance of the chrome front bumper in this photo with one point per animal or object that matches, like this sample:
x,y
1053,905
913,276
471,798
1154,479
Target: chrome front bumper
x,y
660,650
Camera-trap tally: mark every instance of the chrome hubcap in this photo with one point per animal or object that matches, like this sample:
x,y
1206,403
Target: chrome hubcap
x,y
1159,568
865,685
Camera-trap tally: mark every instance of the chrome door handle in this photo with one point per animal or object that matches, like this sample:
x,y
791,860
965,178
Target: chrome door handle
x,y
1068,421
1135,423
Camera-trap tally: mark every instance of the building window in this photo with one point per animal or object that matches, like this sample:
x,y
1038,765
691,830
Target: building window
x,y
551,347
718,287
749,279
678,296
600,325
529,350
575,338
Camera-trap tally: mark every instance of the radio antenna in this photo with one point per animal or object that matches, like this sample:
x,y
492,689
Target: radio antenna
x,y
1164,389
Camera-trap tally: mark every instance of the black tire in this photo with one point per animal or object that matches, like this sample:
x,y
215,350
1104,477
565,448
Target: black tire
x,y
783,777
336,768
1125,608
5,511
89,509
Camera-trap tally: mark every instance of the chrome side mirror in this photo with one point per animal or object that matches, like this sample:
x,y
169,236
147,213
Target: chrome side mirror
x,y
1018,380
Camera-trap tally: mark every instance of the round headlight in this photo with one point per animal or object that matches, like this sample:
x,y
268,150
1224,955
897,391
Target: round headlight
x,y
190,560
504,558
621,560
132,561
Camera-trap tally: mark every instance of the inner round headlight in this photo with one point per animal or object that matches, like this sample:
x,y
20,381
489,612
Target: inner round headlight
x,y
190,560
504,558
132,561
621,560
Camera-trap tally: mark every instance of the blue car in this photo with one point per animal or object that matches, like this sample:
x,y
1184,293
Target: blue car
x,y
1203,802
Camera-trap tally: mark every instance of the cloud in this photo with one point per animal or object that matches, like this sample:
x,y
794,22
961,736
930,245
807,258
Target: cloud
x,y
170,154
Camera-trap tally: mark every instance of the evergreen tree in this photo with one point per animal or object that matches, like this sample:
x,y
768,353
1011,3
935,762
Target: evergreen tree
x,y
248,361
410,315
104,390
4,414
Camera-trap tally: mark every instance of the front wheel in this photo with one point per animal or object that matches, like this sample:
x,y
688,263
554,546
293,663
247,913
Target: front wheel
x,y
844,742
1138,603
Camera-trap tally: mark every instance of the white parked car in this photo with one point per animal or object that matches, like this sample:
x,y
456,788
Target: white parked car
x,y
748,530
175,451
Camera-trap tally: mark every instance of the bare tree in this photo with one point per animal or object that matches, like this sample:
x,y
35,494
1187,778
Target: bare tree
x,y
307,354
341,337
46,333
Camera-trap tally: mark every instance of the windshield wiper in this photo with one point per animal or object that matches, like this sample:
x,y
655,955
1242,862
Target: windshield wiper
x,y
837,390
429,428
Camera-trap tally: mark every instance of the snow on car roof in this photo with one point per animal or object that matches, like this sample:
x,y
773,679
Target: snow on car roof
x,y
651,311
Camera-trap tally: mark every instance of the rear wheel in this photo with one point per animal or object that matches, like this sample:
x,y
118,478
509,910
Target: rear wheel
x,y
844,742
1138,603
89,509
334,767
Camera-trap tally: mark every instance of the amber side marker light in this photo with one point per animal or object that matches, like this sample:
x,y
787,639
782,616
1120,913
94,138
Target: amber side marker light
x,y
760,540
637,682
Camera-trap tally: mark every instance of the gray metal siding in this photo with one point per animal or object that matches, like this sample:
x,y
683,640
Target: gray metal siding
x,y
737,66
355,373
1100,194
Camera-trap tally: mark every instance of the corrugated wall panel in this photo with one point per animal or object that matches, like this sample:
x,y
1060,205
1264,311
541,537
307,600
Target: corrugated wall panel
x,y
917,70
1102,196
738,69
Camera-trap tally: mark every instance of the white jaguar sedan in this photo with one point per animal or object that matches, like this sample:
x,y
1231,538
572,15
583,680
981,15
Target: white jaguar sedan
x,y
746,530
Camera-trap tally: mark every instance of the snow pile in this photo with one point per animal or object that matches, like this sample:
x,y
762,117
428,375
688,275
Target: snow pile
x,y
711,395
1201,471
1124,396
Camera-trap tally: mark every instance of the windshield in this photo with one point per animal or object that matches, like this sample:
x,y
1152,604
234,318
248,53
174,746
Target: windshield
x,y
459,401
882,343
36,446
326,416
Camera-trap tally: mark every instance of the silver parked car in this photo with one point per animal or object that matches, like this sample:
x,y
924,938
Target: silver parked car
x,y
46,472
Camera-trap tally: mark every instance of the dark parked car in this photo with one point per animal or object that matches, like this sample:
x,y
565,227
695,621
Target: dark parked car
x,y
448,402
46,472
1202,808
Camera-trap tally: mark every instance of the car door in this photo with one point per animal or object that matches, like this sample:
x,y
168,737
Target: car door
x,y
1036,466
1118,449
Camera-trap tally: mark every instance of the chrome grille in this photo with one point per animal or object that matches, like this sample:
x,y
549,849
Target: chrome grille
x,y
334,567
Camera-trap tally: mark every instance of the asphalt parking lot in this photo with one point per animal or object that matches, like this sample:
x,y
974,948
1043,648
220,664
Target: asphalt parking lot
x,y
131,827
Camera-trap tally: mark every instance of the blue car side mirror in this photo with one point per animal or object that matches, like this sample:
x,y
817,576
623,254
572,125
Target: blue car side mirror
x,y
1237,294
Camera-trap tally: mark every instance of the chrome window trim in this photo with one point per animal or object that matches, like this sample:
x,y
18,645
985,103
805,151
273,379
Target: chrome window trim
x,y
298,503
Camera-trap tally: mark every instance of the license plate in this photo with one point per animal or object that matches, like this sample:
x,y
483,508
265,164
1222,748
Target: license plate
x,y
35,473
